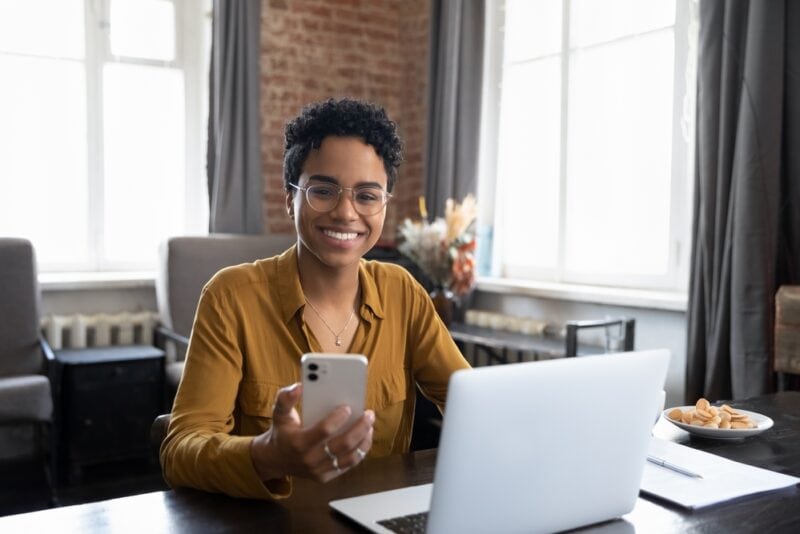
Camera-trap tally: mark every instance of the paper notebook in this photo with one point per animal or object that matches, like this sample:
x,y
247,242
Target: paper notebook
x,y
723,480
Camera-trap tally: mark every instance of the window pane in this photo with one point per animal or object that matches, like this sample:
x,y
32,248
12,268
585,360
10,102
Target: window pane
x,y
594,22
42,27
533,29
144,160
43,152
528,162
143,28
618,183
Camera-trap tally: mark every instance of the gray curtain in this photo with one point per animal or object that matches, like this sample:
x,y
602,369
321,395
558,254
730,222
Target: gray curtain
x,y
747,192
454,105
233,165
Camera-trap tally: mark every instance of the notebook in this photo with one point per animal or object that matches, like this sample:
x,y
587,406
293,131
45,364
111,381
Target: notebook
x,y
533,447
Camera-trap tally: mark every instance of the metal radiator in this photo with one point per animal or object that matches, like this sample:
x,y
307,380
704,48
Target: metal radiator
x,y
99,330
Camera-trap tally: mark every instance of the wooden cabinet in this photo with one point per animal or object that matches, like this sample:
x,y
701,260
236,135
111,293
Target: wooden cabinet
x,y
107,399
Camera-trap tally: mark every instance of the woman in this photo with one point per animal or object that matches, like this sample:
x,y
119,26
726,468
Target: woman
x,y
235,427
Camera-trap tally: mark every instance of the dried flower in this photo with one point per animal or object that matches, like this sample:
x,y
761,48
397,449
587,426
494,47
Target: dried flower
x,y
445,248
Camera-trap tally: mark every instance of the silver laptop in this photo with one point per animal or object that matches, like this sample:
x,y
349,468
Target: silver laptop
x,y
533,447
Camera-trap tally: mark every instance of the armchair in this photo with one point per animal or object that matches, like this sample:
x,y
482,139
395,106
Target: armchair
x,y
186,264
26,360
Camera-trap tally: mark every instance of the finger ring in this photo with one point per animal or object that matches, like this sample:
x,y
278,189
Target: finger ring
x,y
361,454
333,458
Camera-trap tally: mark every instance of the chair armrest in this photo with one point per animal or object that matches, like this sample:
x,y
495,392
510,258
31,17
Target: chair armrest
x,y
47,351
163,334
158,431
51,369
50,364
596,322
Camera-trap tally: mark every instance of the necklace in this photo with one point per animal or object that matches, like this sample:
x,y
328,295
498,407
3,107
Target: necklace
x,y
337,336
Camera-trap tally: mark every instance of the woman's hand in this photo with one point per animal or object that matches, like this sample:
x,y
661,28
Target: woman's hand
x,y
287,449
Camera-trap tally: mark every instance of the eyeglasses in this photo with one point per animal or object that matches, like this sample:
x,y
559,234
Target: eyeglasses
x,y
367,199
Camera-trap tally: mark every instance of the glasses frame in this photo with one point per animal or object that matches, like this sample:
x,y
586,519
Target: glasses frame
x,y
386,196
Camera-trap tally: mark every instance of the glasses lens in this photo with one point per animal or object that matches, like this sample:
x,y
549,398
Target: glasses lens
x,y
322,197
369,200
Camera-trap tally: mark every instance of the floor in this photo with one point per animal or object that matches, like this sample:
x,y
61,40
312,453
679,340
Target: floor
x,y
23,486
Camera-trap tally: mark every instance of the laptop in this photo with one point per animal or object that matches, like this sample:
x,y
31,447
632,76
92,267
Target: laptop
x,y
532,447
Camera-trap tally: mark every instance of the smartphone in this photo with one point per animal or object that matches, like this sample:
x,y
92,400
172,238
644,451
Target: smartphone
x,y
329,381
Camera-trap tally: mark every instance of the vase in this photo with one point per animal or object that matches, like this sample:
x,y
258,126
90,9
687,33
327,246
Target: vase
x,y
445,302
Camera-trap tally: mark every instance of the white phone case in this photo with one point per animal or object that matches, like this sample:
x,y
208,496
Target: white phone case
x,y
329,381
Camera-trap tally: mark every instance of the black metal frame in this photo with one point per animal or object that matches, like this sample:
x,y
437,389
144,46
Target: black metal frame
x,y
628,323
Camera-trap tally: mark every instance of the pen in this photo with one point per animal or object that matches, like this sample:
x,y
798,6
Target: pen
x,y
678,469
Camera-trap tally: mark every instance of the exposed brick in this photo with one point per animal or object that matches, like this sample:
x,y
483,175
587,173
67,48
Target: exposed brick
x,y
318,49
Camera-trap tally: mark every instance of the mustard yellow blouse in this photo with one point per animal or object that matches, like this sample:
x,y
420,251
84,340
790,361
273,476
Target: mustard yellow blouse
x,y
246,343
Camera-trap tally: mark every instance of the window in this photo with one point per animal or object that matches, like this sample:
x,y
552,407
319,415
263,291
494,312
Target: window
x,y
101,128
584,163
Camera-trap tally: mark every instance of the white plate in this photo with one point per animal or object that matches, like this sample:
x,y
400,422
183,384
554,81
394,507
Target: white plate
x,y
762,423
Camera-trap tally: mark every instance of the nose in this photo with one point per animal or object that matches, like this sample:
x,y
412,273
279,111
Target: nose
x,y
345,209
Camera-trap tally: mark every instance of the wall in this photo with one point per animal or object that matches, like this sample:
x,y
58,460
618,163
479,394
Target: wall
x,y
318,49
654,328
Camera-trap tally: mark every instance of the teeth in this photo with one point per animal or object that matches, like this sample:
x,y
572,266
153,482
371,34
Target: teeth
x,y
340,235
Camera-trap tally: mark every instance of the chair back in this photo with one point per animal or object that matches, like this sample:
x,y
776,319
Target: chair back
x,y
619,329
20,353
187,263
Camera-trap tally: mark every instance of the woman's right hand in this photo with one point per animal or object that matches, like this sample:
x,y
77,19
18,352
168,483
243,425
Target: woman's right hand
x,y
287,449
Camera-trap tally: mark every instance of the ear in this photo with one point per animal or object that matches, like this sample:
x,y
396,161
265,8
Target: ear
x,y
290,204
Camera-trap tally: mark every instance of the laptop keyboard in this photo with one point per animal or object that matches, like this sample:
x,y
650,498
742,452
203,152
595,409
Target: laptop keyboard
x,y
406,524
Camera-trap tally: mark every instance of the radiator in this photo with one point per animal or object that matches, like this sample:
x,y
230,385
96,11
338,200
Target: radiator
x,y
78,331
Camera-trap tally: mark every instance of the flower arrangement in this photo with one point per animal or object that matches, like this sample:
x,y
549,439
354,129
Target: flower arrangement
x,y
445,248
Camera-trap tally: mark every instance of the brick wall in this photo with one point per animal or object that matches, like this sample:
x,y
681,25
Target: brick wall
x,y
316,49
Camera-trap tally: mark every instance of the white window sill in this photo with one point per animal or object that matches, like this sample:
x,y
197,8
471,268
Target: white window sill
x,y
77,281
637,298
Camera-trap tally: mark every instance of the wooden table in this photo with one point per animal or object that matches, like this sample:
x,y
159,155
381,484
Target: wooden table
x,y
307,510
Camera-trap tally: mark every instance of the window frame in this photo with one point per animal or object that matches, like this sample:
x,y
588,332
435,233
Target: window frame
x,y
192,56
491,190
188,26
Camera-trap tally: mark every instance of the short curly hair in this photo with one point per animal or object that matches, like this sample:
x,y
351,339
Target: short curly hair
x,y
346,117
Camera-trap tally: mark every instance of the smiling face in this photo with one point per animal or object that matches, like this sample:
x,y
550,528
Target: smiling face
x,y
339,238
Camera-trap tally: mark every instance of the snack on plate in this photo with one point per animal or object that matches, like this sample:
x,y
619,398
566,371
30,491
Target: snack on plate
x,y
709,416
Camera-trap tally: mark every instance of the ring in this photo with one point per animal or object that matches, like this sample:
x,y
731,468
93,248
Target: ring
x,y
333,458
361,454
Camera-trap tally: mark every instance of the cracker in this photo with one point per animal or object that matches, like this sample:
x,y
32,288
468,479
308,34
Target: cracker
x,y
703,414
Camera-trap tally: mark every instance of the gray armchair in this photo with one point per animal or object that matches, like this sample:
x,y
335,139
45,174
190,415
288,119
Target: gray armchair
x,y
186,264
26,360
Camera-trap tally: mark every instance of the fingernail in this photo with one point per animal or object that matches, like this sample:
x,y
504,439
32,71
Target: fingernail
x,y
370,416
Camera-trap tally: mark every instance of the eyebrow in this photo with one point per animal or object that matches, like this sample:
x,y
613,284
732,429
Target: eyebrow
x,y
334,181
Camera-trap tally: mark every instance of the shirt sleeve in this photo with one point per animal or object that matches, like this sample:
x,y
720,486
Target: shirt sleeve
x,y
435,355
199,450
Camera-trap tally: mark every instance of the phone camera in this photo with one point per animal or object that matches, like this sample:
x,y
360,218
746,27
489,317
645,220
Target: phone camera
x,y
313,367
312,376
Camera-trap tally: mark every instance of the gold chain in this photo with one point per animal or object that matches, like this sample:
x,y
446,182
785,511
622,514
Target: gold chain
x,y
337,336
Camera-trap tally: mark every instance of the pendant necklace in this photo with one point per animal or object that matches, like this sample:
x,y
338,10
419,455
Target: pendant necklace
x,y
337,336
